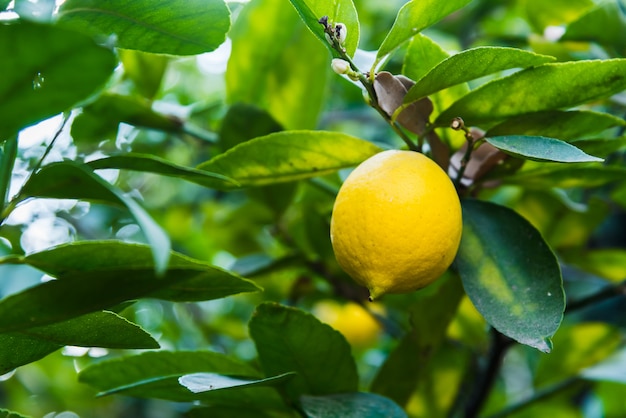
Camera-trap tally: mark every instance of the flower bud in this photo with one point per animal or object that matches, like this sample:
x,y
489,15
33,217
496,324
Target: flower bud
x,y
340,66
341,33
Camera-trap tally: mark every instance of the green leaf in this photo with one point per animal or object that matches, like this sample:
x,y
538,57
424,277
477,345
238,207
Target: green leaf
x,y
277,66
609,370
206,382
602,147
604,24
96,275
472,64
152,164
546,87
145,70
422,55
542,14
351,405
132,375
288,339
5,413
46,71
539,148
510,274
412,18
70,180
338,11
177,27
557,124
99,329
241,411
244,122
584,175
290,156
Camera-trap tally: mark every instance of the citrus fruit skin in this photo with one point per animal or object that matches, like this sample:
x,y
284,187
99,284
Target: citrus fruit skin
x,y
396,223
351,319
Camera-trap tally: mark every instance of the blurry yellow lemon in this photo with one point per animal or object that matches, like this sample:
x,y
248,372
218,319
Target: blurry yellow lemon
x,y
396,224
351,319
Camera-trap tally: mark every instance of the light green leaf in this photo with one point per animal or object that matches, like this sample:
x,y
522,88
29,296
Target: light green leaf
x,y
539,148
70,180
144,69
571,175
412,18
152,164
338,11
545,87
177,27
45,71
351,405
609,370
472,64
422,55
557,124
521,299
277,64
5,413
290,156
288,339
206,382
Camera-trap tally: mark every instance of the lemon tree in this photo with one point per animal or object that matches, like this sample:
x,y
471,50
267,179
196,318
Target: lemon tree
x,y
199,199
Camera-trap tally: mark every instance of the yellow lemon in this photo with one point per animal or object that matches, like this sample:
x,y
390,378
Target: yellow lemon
x,y
351,319
396,223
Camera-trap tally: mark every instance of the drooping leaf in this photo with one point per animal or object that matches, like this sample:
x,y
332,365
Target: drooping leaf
x,y
510,274
46,70
338,11
472,64
266,66
206,382
288,339
289,156
534,89
412,18
177,27
565,125
540,148
99,329
565,176
152,164
71,180
350,405
96,275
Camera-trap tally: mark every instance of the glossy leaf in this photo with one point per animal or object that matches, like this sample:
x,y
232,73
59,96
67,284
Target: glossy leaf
x,y
520,298
472,64
412,18
100,329
96,275
267,67
557,124
288,339
351,405
152,164
206,382
539,148
290,156
338,11
545,87
177,27
70,180
46,70
571,175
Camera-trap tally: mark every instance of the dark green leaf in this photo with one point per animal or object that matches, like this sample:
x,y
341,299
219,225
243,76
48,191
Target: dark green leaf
x,y
351,405
3,6
152,164
268,68
206,382
178,27
100,329
472,64
604,24
241,411
539,148
288,339
338,11
412,18
289,156
5,413
570,175
244,122
557,124
602,147
97,275
46,70
546,87
70,180
510,274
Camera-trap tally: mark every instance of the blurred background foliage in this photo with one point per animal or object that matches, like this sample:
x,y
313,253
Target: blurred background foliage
x,y
271,74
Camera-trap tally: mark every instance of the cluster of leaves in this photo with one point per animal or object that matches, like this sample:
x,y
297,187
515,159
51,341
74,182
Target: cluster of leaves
x,y
503,141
